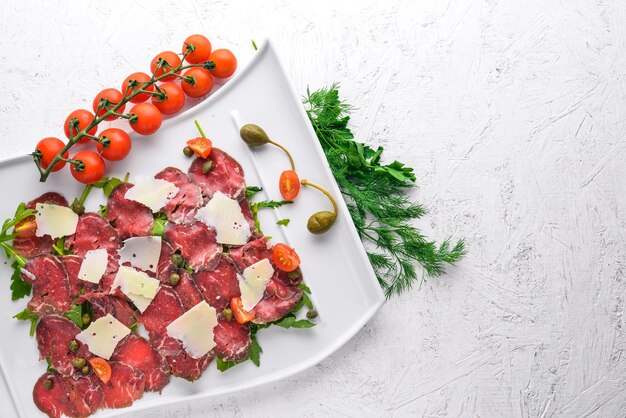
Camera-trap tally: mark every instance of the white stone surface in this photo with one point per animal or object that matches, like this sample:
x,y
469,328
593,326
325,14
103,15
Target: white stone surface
x,y
512,114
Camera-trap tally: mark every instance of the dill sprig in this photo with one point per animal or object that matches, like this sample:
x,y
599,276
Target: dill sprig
x,y
377,199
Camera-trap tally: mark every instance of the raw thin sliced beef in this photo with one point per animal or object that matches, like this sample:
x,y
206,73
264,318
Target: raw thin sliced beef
x,y
104,304
85,394
54,334
249,217
180,363
273,308
33,246
51,287
93,232
226,176
78,287
165,307
187,291
251,253
130,218
52,400
196,243
220,285
127,384
137,352
232,339
165,266
185,204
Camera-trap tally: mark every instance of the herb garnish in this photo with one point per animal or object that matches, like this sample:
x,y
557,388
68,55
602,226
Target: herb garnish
x,y
19,288
255,206
283,222
28,315
377,198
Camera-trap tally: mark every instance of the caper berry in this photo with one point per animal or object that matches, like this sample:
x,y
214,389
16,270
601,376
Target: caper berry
x,y
79,362
321,222
174,279
86,319
206,167
187,151
85,370
177,259
253,135
78,208
48,384
311,314
73,345
228,314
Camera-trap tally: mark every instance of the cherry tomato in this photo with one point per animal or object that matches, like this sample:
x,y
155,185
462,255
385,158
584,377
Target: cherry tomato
x,y
171,61
49,148
119,145
146,118
200,146
140,78
289,184
26,228
241,315
113,96
174,100
225,63
93,169
285,257
101,368
84,118
200,84
201,49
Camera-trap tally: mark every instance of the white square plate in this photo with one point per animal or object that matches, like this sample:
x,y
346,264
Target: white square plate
x,y
344,288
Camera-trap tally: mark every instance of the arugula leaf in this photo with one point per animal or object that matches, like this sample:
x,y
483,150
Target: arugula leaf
x,y
255,350
304,287
102,211
19,287
59,247
160,219
222,365
252,190
75,314
49,367
290,322
283,222
107,184
28,315
272,204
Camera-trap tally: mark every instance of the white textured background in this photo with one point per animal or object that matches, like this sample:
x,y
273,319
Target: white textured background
x,y
512,114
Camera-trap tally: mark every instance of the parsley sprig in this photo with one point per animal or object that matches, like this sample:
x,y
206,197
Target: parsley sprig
x,y
377,199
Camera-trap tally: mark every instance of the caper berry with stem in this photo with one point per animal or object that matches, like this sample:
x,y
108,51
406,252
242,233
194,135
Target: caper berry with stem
x,y
255,136
321,221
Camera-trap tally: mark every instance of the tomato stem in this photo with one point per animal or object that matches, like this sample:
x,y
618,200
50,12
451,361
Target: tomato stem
x,y
305,182
199,128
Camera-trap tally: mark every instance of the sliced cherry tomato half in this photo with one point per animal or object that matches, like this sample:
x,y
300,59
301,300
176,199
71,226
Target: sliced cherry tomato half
x,y
197,82
201,146
225,63
146,119
169,60
140,78
241,315
119,144
285,257
84,118
49,148
289,184
93,167
201,49
174,98
112,97
101,368
26,228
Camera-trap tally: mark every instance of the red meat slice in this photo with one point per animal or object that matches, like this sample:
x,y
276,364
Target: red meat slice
x,y
85,394
250,253
54,334
137,352
249,217
187,291
54,401
180,363
34,246
51,287
93,232
130,218
226,176
220,285
196,243
78,287
273,308
127,384
185,204
232,339
104,304
165,308
165,266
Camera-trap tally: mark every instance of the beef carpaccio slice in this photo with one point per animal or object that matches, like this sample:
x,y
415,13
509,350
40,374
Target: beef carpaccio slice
x,y
53,334
232,339
185,204
165,308
281,296
130,218
180,363
137,352
196,243
78,287
220,285
103,304
253,251
51,396
33,246
127,384
226,176
187,291
51,287
165,267
85,394
92,233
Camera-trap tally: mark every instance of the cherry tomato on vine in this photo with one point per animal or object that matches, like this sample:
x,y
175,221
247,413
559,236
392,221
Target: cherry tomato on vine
x,y
170,60
92,167
285,257
101,368
225,63
145,118
200,146
140,78
201,49
241,315
84,118
113,96
174,101
289,184
197,82
119,144
49,148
